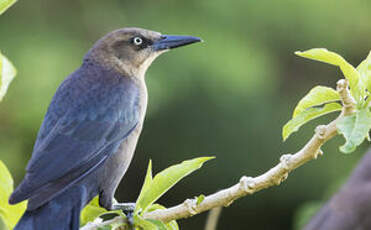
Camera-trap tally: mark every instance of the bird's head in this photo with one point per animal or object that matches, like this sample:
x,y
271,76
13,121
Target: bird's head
x,y
132,50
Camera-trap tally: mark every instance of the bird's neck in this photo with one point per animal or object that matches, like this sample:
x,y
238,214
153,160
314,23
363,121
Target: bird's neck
x,y
113,76
122,66
110,63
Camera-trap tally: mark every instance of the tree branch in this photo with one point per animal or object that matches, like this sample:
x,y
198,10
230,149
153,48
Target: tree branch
x,y
274,176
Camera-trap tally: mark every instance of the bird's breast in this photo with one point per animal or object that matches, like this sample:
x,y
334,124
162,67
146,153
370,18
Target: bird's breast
x,y
143,100
116,166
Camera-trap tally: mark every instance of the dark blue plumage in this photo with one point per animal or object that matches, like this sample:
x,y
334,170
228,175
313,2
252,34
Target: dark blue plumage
x,y
89,133
91,113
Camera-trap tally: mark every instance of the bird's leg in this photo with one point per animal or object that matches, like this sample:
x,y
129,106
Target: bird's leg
x,y
125,207
107,201
111,204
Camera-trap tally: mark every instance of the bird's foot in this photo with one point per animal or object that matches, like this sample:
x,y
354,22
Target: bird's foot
x,y
127,208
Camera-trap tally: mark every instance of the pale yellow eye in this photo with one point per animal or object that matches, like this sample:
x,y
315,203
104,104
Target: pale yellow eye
x,y
137,41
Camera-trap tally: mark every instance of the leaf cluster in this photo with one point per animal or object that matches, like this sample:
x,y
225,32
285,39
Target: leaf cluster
x,y
322,100
153,188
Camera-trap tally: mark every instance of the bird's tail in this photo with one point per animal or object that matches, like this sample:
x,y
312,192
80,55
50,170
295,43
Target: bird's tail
x,y
62,213
50,216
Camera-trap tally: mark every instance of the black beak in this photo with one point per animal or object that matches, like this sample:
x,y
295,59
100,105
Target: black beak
x,y
173,41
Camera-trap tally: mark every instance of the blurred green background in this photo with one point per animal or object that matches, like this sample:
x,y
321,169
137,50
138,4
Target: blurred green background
x,y
227,97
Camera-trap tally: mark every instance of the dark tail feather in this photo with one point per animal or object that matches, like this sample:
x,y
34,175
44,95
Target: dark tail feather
x,y
50,216
62,213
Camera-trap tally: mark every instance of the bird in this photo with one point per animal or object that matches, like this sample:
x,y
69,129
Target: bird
x,y
89,133
350,207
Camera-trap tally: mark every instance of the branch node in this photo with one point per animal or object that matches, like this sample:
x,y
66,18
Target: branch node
x,y
283,178
285,161
247,184
321,131
318,153
346,97
228,203
273,176
341,85
191,206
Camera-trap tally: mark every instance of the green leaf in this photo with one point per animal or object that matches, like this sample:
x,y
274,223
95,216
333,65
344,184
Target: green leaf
x,y
172,225
149,224
350,73
309,114
5,4
10,214
355,129
364,70
164,180
106,227
91,211
7,73
6,183
159,224
146,185
200,198
317,96
144,224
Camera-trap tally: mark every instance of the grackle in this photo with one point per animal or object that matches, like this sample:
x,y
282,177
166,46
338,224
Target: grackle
x,y
90,131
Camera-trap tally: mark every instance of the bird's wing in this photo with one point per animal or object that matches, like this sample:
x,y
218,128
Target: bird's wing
x,y
77,135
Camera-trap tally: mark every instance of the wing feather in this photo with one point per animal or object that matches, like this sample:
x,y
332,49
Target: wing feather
x,y
82,127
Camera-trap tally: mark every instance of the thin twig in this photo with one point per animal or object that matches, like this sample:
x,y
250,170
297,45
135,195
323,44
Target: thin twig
x,y
213,218
274,176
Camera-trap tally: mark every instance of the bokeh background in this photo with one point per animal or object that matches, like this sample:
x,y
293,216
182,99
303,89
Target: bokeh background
x,y
227,97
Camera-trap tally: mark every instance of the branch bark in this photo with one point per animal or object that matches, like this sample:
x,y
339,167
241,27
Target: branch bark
x,y
274,176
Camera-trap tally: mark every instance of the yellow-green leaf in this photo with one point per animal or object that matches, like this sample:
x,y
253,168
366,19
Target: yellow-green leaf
x,y
5,4
106,227
309,114
144,224
200,198
172,225
150,224
364,70
160,225
146,185
355,129
91,211
7,73
10,214
166,179
317,96
350,73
